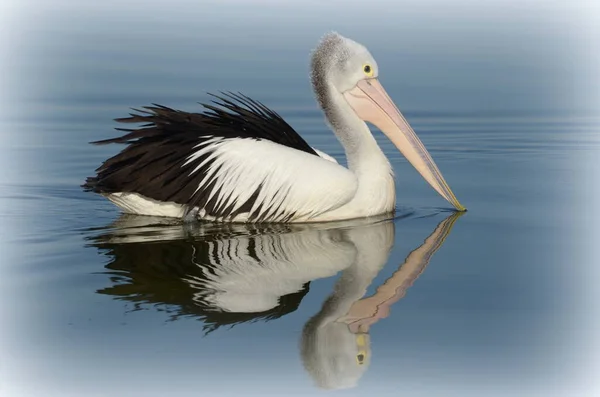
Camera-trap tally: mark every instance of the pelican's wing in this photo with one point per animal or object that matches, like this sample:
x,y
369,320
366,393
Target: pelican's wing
x,y
325,155
245,164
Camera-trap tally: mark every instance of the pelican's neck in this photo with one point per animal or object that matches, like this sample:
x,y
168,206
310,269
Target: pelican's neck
x,y
375,192
362,151
364,156
359,144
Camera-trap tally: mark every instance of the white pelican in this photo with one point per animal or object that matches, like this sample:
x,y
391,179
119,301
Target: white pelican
x,y
241,162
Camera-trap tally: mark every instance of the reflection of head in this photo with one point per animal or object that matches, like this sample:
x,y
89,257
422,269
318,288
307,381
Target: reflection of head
x,y
334,356
335,345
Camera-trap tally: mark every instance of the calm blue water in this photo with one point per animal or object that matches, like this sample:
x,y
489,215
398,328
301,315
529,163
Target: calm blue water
x,y
428,303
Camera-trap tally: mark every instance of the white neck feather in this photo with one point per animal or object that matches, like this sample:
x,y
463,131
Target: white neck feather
x,y
376,190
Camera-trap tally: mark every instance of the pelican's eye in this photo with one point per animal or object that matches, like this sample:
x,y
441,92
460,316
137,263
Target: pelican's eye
x,y
360,359
368,69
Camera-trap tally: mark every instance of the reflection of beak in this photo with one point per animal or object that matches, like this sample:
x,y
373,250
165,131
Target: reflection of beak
x,y
370,101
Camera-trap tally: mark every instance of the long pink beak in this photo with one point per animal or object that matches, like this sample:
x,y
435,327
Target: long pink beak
x,y
371,103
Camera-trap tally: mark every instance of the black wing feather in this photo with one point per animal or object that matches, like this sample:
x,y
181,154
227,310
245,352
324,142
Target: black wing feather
x,y
152,162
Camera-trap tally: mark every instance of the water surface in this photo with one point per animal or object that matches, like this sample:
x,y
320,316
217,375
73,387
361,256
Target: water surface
x,y
427,303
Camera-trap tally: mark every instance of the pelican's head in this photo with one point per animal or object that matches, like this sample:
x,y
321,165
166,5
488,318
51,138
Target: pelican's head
x,y
344,71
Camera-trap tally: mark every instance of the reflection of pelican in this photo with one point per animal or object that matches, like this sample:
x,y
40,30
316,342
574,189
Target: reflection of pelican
x,y
335,342
239,272
224,273
240,161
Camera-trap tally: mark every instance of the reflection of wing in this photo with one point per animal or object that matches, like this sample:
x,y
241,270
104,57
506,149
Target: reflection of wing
x,y
336,354
250,273
222,273
155,274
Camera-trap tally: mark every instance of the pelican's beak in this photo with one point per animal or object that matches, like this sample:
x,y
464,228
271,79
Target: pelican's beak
x,y
371,103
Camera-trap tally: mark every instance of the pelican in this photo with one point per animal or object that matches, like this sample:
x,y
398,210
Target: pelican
x,y
239,161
